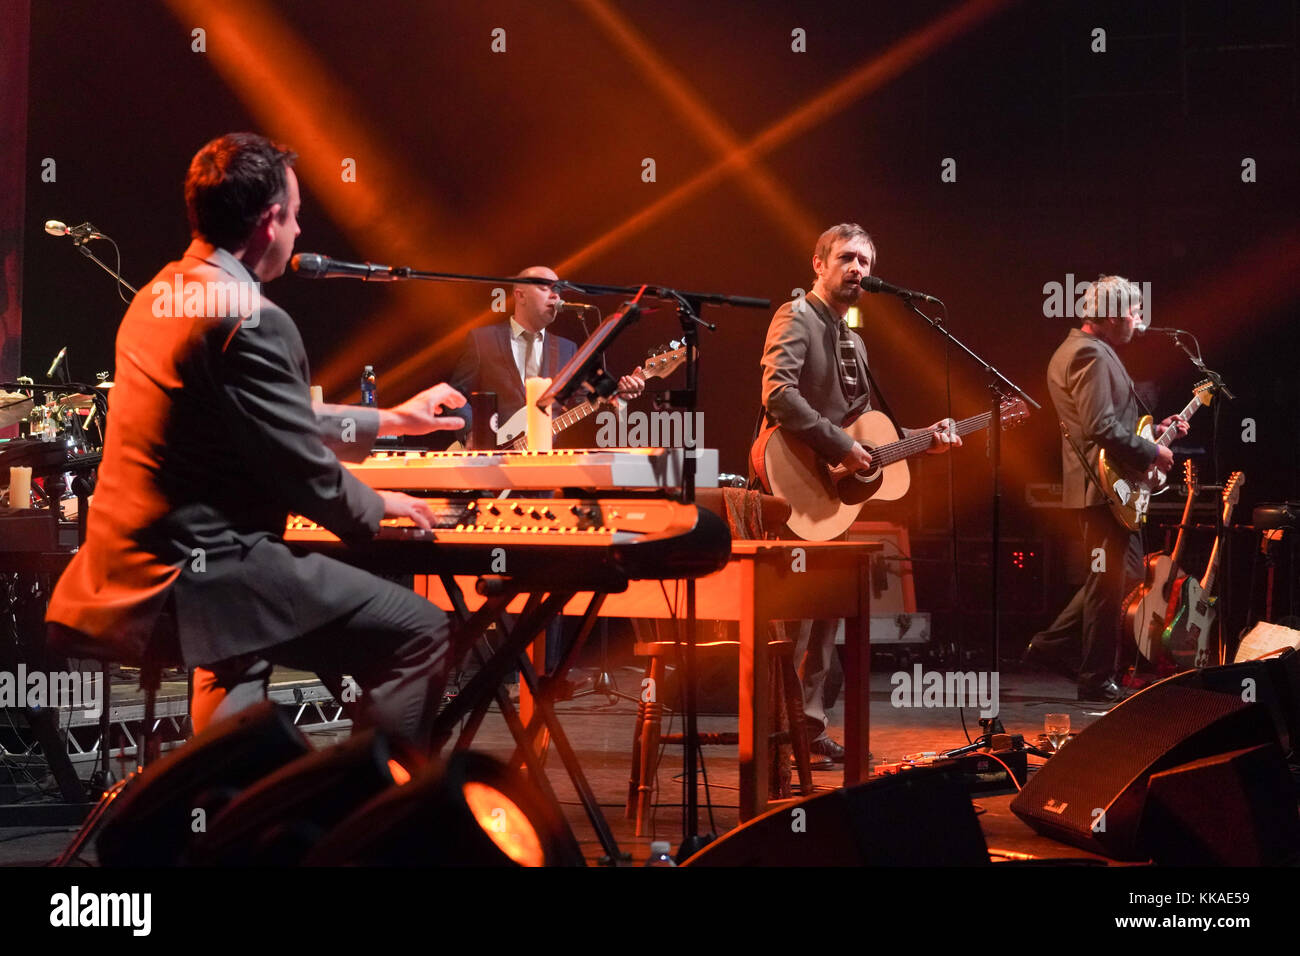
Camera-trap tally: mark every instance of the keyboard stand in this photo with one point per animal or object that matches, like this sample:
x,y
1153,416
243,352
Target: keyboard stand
x,y
472,702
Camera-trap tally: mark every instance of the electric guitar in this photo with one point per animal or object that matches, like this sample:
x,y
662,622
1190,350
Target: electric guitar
x,y
1147,606
512,435
825,500
1187,635
1130,493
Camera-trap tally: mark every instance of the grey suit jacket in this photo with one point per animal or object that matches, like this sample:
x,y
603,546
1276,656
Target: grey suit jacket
x,y
487,364
1094,397
211,442
803,381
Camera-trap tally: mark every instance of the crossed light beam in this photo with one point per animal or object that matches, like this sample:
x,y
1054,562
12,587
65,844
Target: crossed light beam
x,y
739,159
296,99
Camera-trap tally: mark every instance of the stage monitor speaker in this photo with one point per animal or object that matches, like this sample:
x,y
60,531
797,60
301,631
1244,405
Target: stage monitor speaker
x,y
152,821
1274,682
915,818
1233,809
278,820
1091,794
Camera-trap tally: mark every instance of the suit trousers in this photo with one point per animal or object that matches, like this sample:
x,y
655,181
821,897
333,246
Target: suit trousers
x,y
1089,625
814,648
395,646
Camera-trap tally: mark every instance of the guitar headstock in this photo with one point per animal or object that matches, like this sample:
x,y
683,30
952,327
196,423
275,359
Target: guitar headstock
x,y
1189,476
1232,490
1204,390
665,361
1012,411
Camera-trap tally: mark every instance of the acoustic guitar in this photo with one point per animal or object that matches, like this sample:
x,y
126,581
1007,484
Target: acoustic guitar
x,y
824,499
1146,608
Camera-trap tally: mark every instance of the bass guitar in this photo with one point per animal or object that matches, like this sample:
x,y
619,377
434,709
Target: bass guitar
x,y
1146,608
1130,493
824,499
1187,634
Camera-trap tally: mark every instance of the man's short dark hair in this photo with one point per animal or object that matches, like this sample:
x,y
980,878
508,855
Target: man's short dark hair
x,y
230,183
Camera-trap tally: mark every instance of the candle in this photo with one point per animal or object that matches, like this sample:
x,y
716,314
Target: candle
x,y
20,487
539,421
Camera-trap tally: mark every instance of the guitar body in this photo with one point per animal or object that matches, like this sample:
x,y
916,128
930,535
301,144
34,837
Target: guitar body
x,y
1133,492
1187,637
816,493
1147,605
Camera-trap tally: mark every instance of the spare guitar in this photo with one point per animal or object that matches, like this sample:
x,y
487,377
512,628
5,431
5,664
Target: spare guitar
x,y
1146,608
825,500
1187,634
1129,494
511,436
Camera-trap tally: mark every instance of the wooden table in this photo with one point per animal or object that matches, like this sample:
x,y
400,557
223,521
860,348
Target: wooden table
x,y
764,581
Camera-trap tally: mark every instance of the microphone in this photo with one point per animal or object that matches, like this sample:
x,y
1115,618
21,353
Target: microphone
x,y
1159,331
875,284
84,231
312,265
58,360
577,305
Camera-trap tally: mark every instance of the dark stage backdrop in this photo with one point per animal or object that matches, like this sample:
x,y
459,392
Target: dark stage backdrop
x,y
991,148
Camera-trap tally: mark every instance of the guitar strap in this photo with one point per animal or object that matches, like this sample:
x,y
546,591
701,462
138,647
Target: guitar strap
x,y
1087,469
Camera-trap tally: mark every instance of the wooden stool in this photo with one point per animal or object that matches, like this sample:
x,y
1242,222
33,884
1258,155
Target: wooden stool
x,y
787,699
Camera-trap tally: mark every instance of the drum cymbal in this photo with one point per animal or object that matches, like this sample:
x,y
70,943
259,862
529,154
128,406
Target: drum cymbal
x,y
76,401
14,408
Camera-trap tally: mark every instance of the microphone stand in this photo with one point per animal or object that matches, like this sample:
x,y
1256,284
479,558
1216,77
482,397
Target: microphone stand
x,y
81,243
1000,388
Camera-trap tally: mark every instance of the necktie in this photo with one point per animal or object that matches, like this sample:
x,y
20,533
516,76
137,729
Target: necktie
x,y
532,355
849,362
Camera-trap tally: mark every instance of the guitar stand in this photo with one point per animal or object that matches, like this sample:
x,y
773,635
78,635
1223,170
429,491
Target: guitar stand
x,y
472,702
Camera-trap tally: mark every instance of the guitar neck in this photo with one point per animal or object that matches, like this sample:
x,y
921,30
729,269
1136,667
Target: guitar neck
x,y
1212,566
1169,434
908,447
568,419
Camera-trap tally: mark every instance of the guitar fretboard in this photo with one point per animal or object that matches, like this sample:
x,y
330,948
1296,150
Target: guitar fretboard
x,y
558,424
1170,433
908,447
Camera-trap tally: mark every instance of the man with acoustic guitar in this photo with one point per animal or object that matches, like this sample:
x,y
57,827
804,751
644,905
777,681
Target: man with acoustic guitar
x,y
815,382
1099,410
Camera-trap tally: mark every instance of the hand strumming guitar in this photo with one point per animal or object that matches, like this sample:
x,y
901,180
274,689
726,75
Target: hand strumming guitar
x,y
858,458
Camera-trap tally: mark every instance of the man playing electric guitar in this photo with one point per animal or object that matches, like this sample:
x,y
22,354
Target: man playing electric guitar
x,y
814,378
1098,408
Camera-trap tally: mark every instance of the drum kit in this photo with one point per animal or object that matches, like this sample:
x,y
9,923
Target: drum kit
x,y
56,425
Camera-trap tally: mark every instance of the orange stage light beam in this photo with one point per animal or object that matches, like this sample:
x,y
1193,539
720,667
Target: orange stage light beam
x,y
296,100
857,84
801,226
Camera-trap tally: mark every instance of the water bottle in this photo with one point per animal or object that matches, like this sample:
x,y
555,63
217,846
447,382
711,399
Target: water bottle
x,y
368,386
660,854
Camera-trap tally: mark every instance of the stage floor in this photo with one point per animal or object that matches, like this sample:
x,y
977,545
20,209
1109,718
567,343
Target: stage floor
x,y
601,734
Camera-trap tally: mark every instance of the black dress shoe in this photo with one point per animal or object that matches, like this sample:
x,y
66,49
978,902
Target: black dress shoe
x,y
826,748
1107,691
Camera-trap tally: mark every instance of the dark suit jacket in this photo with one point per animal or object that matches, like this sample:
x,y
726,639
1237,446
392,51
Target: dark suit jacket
x,y
1094,397
211,442
803,380
487,364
